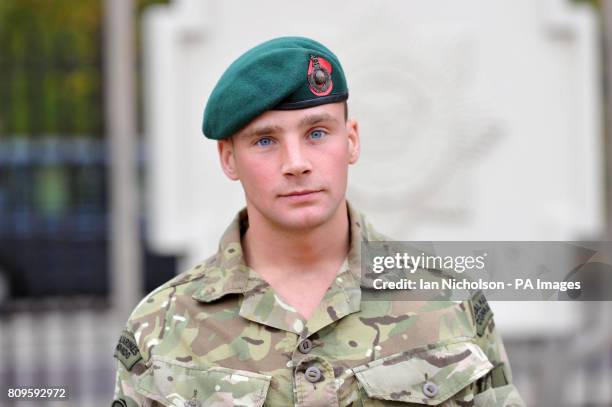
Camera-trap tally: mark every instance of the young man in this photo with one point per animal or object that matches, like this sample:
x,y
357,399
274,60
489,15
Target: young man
x,y
276,316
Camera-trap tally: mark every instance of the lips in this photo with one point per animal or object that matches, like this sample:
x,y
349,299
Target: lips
x,y
301,193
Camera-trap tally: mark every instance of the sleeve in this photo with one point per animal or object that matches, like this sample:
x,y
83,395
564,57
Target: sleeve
x,y
125,395
496,388
130,365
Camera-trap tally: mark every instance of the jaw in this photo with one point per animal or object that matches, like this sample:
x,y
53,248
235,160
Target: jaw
x,y
296,216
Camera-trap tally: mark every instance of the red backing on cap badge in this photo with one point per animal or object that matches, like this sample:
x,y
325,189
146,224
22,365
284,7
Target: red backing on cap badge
x,y
319,76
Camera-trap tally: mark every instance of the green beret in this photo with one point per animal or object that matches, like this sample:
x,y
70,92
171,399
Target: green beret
x,y
281,74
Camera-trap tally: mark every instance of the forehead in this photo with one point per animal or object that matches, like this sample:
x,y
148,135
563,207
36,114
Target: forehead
x,y
288,119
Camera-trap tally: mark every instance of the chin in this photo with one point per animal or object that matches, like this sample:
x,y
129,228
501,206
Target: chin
x,y
306,217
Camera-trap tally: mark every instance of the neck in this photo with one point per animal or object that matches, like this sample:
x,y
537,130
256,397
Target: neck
x,y
268,248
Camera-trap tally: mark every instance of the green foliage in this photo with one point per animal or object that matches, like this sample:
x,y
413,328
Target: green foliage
x,y
595,3
51,66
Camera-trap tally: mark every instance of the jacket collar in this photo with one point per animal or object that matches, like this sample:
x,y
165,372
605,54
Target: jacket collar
x,y
227,273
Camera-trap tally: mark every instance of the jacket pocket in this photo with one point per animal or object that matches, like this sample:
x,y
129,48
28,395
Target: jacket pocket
x,y
422,376
173,383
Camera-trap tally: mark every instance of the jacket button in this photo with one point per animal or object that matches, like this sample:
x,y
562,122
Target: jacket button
x,y
313,374
305,346
430,389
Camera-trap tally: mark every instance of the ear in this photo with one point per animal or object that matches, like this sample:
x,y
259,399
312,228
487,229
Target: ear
x,y
354,145
227,159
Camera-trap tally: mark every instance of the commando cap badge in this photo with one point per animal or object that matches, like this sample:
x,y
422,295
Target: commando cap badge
x,y
319,76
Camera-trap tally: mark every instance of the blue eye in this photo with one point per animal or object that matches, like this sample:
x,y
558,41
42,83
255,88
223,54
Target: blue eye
x,y
264,142
317,134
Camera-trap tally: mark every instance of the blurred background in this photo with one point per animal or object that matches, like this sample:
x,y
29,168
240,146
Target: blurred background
x,y
479,120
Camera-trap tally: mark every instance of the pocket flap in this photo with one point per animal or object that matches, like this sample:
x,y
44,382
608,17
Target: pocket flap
x,y
425,375
174,383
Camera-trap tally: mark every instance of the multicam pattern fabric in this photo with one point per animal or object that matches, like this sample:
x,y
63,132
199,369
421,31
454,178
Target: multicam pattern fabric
x,y
218,335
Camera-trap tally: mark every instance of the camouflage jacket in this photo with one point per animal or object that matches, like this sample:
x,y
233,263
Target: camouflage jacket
x,y
218,335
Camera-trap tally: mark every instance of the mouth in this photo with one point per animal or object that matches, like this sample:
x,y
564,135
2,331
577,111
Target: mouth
x,y
301,193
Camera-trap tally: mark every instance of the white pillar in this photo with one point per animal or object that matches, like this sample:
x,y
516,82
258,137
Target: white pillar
x,y
125,273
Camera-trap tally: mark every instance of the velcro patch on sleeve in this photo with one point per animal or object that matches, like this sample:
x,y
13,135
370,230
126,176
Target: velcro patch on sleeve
x,y
127,351
498,376
482,312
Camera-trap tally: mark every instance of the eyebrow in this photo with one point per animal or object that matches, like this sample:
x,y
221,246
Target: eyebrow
x,y
317,118
261,131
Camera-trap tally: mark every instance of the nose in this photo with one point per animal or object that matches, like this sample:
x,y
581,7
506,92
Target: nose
x,y
295,161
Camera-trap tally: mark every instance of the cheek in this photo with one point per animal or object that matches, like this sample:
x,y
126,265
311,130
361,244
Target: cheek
x,y
338,157
256,173
334,164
